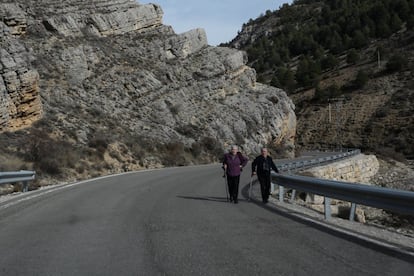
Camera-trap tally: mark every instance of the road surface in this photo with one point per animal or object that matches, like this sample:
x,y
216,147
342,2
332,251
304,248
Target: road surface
x,y
174,222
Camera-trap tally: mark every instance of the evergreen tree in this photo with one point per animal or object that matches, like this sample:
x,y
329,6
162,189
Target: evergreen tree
x,y
352,57
359,40
397,62
318,27
329,62
308,72
395,23
361,79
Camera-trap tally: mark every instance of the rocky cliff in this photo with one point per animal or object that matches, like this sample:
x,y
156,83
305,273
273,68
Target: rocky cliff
x,y
19,83
121,89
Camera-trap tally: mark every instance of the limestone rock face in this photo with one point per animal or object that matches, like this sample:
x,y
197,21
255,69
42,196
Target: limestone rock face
x,y
111,66
20,102
185,44
101,23
14,17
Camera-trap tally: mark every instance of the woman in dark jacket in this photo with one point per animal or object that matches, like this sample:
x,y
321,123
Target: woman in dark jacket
x,y
262,166
233,164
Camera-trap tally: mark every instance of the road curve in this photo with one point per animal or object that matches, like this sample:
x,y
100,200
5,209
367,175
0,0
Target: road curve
x,y
173,222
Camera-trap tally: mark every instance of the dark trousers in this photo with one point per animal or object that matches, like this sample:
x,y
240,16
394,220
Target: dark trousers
x,y
265,181
233,183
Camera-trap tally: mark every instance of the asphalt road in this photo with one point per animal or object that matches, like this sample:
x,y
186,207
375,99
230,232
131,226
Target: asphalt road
x,y
174,222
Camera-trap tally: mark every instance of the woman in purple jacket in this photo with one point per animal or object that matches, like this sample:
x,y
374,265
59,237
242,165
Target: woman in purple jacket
x,y
233,163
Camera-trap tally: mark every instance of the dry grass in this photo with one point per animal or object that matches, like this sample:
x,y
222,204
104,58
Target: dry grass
x,y
13,163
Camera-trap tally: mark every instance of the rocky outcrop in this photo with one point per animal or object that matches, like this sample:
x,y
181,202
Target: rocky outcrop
x,y
20,102
14,17
120,21
185,44
110,70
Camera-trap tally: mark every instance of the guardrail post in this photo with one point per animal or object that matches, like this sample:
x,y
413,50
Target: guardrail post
x,y
272,187
293,195
281,193
25,186
352,212
328,213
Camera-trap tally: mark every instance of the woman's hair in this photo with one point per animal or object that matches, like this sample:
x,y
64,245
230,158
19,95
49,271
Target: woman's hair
x,y
234,146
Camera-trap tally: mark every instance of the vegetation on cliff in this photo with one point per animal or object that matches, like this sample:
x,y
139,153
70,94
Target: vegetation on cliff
x,y
357,51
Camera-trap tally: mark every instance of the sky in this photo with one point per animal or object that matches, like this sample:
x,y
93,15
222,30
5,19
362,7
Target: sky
x,y
221,19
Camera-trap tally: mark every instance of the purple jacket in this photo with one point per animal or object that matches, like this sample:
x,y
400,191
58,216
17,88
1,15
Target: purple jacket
x,y
234,162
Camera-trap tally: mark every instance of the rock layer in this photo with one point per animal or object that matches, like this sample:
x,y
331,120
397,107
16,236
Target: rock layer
x,y
20,102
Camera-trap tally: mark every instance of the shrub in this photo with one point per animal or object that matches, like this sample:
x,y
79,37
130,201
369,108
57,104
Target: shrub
x,y
175,109
50,156
196,150
397,62
212,146
361,79
174,154
329,62
188,130
325,94
99,141
352,57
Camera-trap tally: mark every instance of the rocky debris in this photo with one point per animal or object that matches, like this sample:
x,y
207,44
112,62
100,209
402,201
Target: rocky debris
x,y
6,189
118,85
395,175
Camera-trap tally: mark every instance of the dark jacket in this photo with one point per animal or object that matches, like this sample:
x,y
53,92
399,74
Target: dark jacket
x,y
263,165
233,163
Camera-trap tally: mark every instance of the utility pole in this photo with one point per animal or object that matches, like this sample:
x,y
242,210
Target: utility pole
x,y
339,124
379,59
330,113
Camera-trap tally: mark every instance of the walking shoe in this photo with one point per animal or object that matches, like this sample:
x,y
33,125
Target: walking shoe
x,y
236,201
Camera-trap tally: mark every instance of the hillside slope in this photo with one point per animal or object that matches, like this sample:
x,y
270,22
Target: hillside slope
x,y
103,86
348,66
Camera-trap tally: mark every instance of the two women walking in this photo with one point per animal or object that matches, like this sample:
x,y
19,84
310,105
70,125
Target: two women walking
x,y
233,164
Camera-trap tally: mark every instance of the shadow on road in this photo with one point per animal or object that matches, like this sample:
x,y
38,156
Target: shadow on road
x,y
207,198
357,238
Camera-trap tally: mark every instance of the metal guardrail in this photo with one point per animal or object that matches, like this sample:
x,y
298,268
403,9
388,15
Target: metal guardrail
x,y
15,177
388,199
298,165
